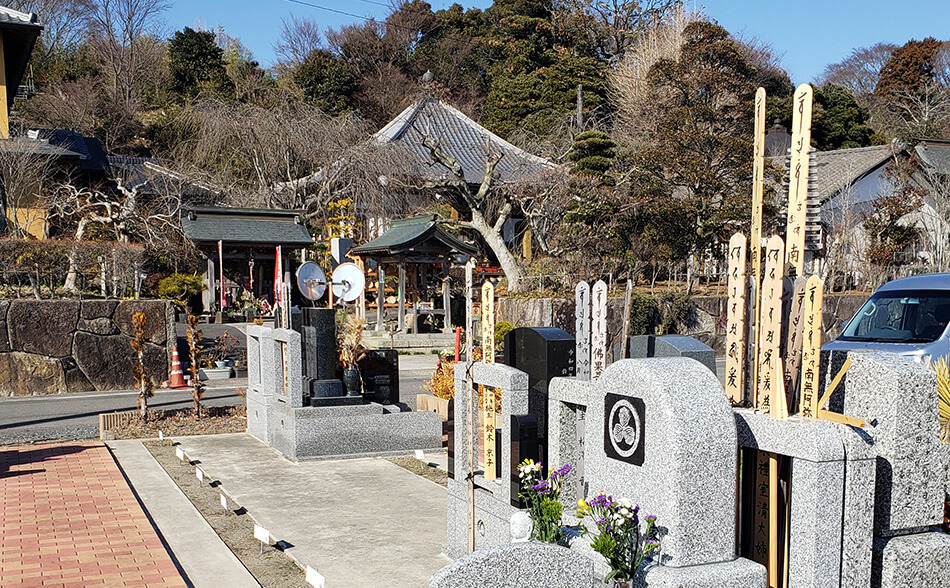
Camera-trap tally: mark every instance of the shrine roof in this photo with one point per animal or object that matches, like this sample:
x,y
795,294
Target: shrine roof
x,y
418,234
250,226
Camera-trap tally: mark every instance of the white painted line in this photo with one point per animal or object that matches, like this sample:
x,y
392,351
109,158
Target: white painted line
x,y
224,502
314,578
180,454
420,455
161,436
199,475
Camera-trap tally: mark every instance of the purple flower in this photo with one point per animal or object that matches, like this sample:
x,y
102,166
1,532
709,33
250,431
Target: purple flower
x,y
650,518
565,470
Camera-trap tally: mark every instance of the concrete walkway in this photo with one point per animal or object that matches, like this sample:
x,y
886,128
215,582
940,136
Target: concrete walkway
x,y
358,522
68,518
206,560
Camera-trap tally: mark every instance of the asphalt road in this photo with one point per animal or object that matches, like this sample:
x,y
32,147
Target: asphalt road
x,y
76,416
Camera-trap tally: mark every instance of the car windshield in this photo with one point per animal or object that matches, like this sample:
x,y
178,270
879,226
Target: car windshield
x,y
901,316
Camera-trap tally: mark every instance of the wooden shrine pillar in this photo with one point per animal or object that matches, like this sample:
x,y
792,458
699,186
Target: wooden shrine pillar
x,y
446,298
380,296
402,297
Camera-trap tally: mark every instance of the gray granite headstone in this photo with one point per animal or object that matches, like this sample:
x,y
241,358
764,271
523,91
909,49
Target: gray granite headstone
x,y
661,432
517,565
897,398
640,346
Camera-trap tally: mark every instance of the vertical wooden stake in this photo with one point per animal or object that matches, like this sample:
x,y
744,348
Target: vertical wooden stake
x,y
598,337
582,330
488,394
798,180
770,323
628,295
735,314
470,405
811,347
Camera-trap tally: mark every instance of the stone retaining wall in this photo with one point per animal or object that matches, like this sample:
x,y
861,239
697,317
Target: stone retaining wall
x,y
55,346
705,320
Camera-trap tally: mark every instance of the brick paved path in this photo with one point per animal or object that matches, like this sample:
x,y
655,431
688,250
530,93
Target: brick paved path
x,y
68,518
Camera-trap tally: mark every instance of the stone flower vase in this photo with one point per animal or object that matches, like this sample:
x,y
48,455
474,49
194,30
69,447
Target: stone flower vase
x,y
352,380
621,583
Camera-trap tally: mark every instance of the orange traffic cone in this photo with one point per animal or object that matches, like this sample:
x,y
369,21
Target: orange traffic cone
x,y
177,377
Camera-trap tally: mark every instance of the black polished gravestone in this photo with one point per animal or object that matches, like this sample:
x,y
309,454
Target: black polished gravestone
x,y
379,369
543,353
317,327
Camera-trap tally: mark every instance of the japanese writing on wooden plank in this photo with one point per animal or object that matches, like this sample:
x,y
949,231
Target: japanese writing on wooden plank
x,y
770,323
582,330
798,180
811,346
760,512
598,336
793,341
284,370
758,176
488,394
735,314
488,322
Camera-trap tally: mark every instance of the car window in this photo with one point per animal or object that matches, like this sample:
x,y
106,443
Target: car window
x,y
918,316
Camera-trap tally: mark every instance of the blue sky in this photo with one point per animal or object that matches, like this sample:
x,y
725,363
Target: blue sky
x,y
806,34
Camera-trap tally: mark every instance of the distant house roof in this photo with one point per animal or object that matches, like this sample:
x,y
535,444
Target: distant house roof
x,y
30,146
462,139
833,171
150,177
418,238
91,155
935,153
245,226
20,30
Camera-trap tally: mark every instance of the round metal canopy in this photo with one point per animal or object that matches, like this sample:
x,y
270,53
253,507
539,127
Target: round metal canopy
x,y
348,282
311,281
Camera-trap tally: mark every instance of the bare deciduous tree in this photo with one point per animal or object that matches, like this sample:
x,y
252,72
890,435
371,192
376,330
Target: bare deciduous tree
x,y
123,47
64,22
489,209
25,175
130,215
298,38
290,155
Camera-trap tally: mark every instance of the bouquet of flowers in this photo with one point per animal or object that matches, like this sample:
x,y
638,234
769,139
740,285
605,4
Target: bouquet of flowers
x,y
542,495
619,536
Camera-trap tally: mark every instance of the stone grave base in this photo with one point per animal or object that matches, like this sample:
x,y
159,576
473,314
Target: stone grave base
x,y
738,573
492,518
921,560
344,431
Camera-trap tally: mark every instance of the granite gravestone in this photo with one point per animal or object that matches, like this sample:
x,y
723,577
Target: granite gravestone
x,y
543,354
641,346
517,565
661,432
897,398
317,327
380,372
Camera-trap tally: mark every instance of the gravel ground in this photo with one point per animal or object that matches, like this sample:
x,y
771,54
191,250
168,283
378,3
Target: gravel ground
x,y
272,568
427,471
214,420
